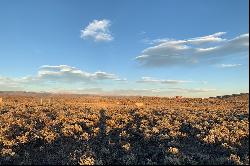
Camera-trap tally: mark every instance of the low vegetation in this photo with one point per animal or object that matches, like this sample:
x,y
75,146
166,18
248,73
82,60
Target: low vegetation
x,y
87,130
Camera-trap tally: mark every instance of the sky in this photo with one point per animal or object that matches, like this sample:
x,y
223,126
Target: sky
x,y
192,48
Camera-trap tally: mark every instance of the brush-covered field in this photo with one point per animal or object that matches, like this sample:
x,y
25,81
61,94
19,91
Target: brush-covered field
x,y
74,129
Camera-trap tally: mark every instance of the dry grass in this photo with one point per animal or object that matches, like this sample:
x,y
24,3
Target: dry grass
x,y
1,101
139,104
116,130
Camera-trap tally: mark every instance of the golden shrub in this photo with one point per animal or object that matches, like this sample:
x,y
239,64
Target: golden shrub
x,y
131,130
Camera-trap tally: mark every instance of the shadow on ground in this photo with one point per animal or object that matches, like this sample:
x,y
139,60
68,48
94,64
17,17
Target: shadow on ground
x,y
109,148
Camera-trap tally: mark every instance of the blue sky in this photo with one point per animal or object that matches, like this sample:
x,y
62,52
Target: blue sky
x,y
162,47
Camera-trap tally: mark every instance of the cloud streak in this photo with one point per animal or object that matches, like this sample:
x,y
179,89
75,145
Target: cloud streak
x,y
9,84
192,90
97,30
171,52
229,65
152,80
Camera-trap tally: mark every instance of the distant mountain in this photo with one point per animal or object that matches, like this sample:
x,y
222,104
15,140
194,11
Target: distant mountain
x,y
25,93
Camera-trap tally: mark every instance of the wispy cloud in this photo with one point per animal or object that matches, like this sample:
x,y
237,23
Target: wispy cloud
x,y
152,80
192,51
97,30
192,90
9,84
196,41
229,65
114,92
121,79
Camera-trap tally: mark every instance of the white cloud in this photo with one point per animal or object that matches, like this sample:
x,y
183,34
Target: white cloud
x,y
72,74
97,30
92,91
121,79
152,80
148,80
197,50
9,84
192,90
133,92
207,39
103,75
229,65
57,75
195,41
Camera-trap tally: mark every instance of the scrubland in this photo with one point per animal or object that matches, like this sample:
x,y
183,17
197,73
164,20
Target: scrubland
x,y
86,130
